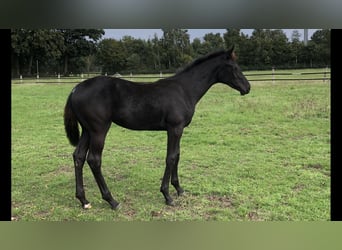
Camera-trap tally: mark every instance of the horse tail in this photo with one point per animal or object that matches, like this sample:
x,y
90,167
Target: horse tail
x,y
71,123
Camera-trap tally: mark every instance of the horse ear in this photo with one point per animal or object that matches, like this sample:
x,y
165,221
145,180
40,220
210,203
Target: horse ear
x,y
231,50
231,53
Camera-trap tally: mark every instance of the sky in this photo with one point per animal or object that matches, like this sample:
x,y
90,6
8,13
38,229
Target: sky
x,y
194,33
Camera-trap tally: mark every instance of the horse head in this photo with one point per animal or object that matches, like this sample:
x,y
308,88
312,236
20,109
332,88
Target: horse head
x,y
231,74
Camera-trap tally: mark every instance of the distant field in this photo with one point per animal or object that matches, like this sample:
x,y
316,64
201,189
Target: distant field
x,y
260,157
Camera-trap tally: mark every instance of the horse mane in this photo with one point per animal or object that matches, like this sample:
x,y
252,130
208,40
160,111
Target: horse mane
x,y
201,60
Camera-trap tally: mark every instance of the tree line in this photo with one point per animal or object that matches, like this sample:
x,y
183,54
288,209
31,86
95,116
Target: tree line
x,y
75,51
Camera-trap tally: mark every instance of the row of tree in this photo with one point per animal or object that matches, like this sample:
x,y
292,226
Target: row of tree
x,y
67,51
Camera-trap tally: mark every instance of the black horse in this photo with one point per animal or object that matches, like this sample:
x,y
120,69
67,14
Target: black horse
x,y
167,104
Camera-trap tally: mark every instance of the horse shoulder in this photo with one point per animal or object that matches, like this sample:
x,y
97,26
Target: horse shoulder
x,y
180,111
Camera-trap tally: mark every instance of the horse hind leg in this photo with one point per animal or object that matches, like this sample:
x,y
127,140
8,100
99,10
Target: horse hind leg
x,y
79,159
94,161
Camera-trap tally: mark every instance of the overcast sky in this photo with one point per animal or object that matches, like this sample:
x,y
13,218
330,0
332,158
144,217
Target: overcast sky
x,y
194,33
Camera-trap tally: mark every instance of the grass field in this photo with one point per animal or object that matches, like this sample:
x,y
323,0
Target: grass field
x,y
261,157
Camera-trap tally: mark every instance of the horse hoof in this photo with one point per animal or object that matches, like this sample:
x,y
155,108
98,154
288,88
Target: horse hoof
x,y
181,193
87,206
170,203
116,207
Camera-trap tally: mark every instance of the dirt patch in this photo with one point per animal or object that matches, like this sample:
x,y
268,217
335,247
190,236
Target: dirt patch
x,y
298,188
314,166
127,209
221,201
130,213
253,216
120,177
318,167
59,170
156,214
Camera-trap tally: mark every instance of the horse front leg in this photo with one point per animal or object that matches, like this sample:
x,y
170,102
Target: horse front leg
x,y
174,178
172,158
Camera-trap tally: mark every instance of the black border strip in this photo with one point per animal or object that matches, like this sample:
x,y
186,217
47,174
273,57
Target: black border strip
x,y
5,125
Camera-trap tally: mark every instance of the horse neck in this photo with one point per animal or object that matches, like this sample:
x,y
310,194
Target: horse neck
x,y
198,80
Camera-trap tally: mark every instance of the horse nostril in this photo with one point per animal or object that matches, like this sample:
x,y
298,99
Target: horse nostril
x,y
245,91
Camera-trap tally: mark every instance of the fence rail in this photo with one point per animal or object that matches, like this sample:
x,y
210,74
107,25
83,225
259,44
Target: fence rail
x,y
257,77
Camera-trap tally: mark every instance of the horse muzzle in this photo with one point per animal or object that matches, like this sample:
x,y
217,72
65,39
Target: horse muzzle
x,y
245,91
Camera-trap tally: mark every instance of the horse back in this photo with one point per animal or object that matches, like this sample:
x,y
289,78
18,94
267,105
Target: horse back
x,y
149,106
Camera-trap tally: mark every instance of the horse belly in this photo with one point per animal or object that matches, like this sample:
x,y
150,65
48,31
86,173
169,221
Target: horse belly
x,y
137,119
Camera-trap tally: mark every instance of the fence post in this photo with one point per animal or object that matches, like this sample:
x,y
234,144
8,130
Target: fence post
x,y
37,70
325,74
273,78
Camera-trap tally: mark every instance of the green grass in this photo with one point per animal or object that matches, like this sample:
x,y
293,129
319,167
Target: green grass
x,y
264,156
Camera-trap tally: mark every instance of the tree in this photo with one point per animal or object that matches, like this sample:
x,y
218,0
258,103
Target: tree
x,y
280,51
295,37
232,37
308,54
321,37
79,43
81,50
261,51
111,55
138,52
213,42
295,47
322,40
175,43
43,45
134,62
197,47
244,48
271,48
156,47
19,48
